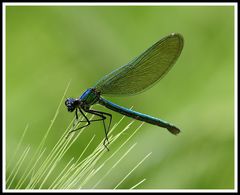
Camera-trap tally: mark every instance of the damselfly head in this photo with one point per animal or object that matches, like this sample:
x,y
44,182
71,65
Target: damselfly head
x,y
72,104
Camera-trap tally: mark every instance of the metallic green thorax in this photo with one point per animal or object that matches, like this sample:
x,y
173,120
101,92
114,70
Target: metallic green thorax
x,y
90,97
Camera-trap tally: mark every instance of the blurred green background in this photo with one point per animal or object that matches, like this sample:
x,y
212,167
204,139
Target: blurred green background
x,y
46,47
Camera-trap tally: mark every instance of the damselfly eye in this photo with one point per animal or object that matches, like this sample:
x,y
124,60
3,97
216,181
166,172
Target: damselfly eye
x,y
70,103
66,102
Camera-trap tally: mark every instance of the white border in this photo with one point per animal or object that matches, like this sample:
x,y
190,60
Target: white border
x,y
118,4
235,97
4,97
123,4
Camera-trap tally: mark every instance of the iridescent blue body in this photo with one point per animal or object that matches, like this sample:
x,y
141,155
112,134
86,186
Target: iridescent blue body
x,y
138,116
91,97
135,77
